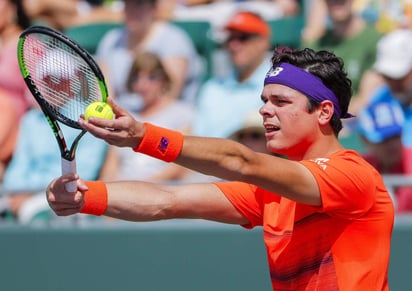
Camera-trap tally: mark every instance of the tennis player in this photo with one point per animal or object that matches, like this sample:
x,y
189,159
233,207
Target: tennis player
x,y
326,215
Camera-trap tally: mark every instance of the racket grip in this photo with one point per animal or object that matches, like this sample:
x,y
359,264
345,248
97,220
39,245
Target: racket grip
x,y
69,167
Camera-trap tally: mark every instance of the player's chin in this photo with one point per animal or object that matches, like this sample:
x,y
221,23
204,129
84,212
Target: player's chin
x,y
274,146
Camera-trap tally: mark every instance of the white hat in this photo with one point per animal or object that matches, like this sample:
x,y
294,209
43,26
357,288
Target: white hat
x,y
57,63
394,54
252,122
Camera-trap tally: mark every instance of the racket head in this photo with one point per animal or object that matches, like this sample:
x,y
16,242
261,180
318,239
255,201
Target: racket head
x,y
61,75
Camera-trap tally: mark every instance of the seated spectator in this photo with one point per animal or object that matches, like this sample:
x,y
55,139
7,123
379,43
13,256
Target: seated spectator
x,y
394,63
251,133
386,15
12,23
57,14
224,101
37,159
143,31
9,121
316,16
380,126
347,31
95,11
149,78
217,11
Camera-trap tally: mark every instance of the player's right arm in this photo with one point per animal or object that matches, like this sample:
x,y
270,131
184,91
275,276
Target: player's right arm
x,y
222,158
142,201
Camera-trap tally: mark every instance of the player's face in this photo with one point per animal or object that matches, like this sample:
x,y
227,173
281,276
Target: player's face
x,y
290,128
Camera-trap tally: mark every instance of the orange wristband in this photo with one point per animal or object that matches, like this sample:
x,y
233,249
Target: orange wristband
x,y
161,143
95,199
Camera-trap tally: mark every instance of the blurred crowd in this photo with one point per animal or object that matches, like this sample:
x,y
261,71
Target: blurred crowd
x,y
155,70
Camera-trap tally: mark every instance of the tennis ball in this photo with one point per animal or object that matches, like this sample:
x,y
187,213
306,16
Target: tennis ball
x,y
98,109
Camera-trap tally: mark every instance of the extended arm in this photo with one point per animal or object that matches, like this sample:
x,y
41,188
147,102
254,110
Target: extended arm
x,y
141,201
219,157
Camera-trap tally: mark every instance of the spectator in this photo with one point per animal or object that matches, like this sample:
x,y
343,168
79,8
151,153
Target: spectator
x,y
251,133
36,160
144,32
13,21
216,11
394,62
224,101
386,15
149,79
316,16
380,125
56,14
9,121
351,38
95,11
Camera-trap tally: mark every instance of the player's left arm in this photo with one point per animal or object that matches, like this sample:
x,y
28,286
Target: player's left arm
x,y
142,201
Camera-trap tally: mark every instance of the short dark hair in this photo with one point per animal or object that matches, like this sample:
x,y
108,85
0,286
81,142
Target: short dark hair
x,y
327,67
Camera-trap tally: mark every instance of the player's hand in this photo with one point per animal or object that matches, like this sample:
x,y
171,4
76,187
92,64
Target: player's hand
x,y
62,202
123,131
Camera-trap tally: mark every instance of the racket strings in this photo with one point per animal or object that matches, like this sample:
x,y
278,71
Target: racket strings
x,y
62,76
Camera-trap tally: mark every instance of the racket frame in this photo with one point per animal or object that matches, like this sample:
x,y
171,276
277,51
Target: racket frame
x,y
52,116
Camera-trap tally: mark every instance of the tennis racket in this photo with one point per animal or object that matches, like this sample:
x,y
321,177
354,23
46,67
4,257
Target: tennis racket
x,y
64,79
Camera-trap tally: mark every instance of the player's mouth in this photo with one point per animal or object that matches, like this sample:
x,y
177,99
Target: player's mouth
x,y
270,128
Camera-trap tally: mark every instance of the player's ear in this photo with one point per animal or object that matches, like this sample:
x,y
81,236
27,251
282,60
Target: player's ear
x,y
325,111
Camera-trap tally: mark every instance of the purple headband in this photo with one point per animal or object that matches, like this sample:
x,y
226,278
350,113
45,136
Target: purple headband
x,y
304,82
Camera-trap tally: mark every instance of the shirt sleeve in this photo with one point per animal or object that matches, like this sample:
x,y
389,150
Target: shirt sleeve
x,y
248,199
347,185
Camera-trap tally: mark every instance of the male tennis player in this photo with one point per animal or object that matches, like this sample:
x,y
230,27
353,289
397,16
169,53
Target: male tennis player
x,y
326,215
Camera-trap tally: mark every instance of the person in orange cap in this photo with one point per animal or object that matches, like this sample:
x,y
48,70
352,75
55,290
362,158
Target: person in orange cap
x,y
247,44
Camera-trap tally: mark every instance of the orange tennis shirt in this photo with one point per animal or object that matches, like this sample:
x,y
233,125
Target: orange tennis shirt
x,y
342,245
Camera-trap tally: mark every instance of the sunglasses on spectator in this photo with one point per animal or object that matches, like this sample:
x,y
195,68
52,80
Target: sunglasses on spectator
x,y
150,77
241,37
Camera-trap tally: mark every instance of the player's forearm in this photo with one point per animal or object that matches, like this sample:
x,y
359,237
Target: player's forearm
x,y
218,157
138,201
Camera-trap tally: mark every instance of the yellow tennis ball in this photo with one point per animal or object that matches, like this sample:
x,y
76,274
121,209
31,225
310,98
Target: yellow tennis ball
x,y
99,109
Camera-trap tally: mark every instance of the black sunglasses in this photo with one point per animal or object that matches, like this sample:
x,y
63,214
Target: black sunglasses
x,y
241,37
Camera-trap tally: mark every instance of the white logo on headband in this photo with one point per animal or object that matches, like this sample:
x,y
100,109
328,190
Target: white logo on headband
x,y
274,72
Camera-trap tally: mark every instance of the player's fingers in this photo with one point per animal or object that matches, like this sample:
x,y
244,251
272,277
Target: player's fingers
x,y
121,132
117,109
64,209
56,191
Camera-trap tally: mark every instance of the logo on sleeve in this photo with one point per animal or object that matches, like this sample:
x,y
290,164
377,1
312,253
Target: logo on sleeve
x,y
322,162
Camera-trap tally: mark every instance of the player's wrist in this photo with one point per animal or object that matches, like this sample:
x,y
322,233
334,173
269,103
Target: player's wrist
x,y
161,143
95,198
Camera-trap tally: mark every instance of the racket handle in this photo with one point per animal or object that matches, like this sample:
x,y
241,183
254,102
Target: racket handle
x,y
69,167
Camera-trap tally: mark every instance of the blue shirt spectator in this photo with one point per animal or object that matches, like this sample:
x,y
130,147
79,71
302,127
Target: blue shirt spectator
x,y
224,103
36,159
